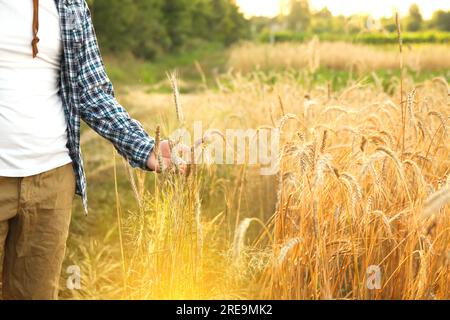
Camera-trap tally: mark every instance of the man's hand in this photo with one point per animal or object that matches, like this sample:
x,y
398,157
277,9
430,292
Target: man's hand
x,y
166,156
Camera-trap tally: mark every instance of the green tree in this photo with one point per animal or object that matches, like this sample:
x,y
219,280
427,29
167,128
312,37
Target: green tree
x,y
299,17
149,34
177,21
322,21
241,26
414,20
441,20
202,19
149,28
113,20
389,24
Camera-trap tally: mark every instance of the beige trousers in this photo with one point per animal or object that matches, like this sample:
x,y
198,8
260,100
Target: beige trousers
x,y
34,223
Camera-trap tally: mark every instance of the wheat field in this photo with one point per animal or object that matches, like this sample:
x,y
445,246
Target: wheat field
x,y
338,56
364,182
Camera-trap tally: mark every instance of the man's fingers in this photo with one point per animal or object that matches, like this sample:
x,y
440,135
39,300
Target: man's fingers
x,y
182,166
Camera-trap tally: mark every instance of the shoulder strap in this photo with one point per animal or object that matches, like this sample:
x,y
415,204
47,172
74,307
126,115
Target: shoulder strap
x,y
35,27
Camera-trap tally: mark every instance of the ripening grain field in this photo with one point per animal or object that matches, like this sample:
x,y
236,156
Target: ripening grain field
x,y
363,187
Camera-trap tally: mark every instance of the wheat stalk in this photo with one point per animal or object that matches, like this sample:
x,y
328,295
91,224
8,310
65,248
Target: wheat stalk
x,y
173,78
157,151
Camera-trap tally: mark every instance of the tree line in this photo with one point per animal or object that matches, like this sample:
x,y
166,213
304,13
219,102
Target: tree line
x,y
150,28
297,16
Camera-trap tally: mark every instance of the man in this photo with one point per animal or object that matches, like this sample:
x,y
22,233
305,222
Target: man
x,y
51,76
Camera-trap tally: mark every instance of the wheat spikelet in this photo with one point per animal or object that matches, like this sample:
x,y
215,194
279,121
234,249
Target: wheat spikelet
x,y
394,158
238,242
289,149
290,178
286,248
369,163
373,118
306,156
315,217
323,163
362,147
239,239
336,172
158,154
442,81
175,160
301,136
354,186
285,119
341,116
272,118
347,128
436,201
441,118
369,205
389,136
421,129
324,141
391,104
417,170
208,138
173,78
421,157
323,126
385,221
410,103
307,105
335,109
440,183
348,90
410,107
280,103
376,139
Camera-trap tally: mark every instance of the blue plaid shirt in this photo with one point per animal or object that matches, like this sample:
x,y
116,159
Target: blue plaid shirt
x,y
88,94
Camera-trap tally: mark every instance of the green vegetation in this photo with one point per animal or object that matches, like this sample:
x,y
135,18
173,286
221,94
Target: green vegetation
x,y
213,61
125,69
299,23
153,28
366,38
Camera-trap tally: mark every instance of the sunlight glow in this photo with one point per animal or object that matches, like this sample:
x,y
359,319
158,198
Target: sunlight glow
x,y
377,8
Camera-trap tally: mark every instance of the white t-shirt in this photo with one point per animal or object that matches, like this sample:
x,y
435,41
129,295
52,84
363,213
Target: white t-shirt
x,y
33,127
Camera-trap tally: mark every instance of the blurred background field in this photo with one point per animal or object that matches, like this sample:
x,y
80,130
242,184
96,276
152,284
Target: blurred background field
x,y
365,154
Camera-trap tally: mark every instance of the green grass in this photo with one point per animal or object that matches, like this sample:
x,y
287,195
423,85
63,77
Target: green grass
x,y
127,70
376,38
340,79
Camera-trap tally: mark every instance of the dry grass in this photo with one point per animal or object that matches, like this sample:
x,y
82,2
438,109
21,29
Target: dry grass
x,y
336,55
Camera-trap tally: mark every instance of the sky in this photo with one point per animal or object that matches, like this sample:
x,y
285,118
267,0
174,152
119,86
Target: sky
x,y
376,8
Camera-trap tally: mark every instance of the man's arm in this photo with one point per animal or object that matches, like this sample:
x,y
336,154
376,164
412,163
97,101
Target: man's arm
x,y
101,111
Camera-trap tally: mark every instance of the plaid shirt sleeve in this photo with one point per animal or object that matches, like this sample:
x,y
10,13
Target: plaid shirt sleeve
x,y
101,111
